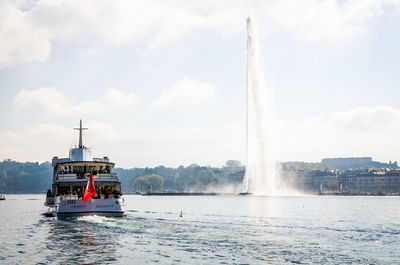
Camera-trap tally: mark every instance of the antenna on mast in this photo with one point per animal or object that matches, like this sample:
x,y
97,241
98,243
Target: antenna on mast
x,y
80,134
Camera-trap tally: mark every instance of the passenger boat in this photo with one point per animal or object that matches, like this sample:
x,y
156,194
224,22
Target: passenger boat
x,y
71,178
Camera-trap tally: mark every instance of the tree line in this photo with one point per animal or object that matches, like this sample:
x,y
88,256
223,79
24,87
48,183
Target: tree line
x,y
192,177
28,177
34,177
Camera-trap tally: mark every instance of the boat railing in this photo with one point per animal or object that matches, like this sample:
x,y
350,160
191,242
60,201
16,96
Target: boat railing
x,y
98,196
67,176
100,175
107,176
68,197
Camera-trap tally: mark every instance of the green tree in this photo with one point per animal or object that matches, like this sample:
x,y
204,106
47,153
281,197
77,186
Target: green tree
x,y
17,177
155,182
207,177
233,163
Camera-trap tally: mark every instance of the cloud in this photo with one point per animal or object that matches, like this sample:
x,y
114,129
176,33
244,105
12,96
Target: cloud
x,y
44,141
328,20
35,144
99,132
180,145
185,93
27,30
127,146
364,118
21,39
51,101
133,145
356,132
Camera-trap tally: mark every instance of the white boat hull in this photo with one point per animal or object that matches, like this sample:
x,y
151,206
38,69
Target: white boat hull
x,y
102,207
78,214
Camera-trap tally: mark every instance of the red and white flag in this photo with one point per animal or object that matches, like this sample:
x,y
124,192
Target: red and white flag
x,y
90,190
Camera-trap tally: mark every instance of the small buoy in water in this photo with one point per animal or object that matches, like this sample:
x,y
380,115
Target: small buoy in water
x,y
180,215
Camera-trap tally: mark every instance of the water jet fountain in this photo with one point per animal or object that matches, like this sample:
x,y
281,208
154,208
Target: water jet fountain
x,y
261,176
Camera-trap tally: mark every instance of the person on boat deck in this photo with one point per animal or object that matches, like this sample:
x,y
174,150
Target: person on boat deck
x,y
116,193
106,193
48,193
79,193
97,196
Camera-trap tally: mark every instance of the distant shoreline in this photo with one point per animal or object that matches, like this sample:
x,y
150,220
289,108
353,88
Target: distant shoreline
x,y
195,194
249,194
219,194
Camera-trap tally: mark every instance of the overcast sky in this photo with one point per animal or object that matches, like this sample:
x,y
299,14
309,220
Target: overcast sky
x,y
163,82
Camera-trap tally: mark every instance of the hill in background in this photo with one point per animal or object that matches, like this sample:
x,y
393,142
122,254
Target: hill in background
x,y
32,177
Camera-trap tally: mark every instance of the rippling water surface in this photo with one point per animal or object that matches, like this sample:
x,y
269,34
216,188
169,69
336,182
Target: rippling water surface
x,y
212,230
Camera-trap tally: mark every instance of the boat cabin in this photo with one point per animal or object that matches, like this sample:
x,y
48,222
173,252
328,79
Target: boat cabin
x,y
71,179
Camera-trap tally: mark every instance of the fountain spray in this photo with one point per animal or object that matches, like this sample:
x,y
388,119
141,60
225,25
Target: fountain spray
x,y
260,176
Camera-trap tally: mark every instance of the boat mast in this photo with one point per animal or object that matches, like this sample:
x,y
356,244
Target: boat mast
x,y
80,134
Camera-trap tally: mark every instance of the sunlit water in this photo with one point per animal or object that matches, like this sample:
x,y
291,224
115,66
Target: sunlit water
x,y
212,230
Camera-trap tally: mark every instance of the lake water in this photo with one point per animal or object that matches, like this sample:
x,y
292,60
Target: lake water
x,y
212,230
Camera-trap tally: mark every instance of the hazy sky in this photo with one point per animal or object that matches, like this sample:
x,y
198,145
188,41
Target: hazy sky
x,y
163,82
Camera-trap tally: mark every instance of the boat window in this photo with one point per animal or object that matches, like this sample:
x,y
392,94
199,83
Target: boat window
x,y
107,191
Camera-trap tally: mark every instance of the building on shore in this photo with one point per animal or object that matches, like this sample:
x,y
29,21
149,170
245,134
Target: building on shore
x,y
352,182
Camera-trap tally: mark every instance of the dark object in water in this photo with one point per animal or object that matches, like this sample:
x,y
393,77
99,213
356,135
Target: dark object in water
x,y
245,193
48,214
